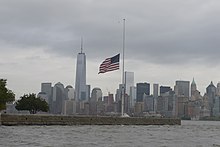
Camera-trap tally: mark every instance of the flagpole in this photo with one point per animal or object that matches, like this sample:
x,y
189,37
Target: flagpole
x,y
123,70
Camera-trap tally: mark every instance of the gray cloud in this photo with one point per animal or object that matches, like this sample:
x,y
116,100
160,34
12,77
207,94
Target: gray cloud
x,y
171,32
159,31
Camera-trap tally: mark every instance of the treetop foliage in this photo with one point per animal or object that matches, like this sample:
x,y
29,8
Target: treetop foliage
x,y
32,103
6,95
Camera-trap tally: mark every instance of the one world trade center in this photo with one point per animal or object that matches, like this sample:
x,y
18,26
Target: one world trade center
x,y
80,81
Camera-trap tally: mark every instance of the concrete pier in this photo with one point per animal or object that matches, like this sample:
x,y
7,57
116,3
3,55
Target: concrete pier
x,y
35,119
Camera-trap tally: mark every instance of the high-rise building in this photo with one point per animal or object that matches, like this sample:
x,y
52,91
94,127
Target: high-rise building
x,y
218,89
142,88
211,93
129,81
181,106
155,90
110,99
211,90
47,89
80,82
69,107
69,92
96,97
58,98
155,96
133,94
148,103
88,87
110,106
43,96
105,100
216,107
164,89
118,97
166,104
119,93
193,87
182,88
195,94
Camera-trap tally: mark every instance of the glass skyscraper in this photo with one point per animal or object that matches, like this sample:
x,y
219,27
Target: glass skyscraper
x,y
80,81
182,88
164,89
142,88
129,81
47,88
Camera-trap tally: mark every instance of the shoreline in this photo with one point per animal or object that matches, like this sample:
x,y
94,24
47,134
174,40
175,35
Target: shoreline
x,y
48,119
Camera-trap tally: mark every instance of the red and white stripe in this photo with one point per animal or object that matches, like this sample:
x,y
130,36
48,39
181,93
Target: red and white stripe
x,y
108,66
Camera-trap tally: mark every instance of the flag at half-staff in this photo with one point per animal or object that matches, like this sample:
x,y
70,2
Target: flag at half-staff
x,y
110,64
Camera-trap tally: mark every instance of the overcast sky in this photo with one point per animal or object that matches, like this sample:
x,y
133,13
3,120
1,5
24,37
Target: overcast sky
x,y
166,40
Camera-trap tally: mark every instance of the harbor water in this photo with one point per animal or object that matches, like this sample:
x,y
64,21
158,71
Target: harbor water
x,y
189,134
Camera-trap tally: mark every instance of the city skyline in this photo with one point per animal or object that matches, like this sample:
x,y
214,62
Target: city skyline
x,y
165,42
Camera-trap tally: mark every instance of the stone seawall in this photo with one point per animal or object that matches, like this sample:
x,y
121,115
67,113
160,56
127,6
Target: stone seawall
x,y
17,119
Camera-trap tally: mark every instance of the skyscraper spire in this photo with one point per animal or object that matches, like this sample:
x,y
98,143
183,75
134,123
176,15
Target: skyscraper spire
x,y
193,87
81,45
193,82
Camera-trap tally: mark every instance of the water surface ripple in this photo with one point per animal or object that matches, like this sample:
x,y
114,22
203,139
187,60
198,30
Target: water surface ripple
x,y
189,134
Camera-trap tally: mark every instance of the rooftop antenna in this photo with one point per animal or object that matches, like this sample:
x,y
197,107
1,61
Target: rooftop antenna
x,y
81,45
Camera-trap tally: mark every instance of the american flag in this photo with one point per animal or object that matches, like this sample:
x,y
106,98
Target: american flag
x,y
110,64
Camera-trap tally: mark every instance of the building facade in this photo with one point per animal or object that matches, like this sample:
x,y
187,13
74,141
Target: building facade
x,y
182,88
48,90
80,82
142,88
164,89
58,98
129,81
211,94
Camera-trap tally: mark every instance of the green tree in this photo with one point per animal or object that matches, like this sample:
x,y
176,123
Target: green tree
x,y
6,95
32,103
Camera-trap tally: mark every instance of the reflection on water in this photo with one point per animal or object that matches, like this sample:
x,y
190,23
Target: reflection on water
x,y
189,134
